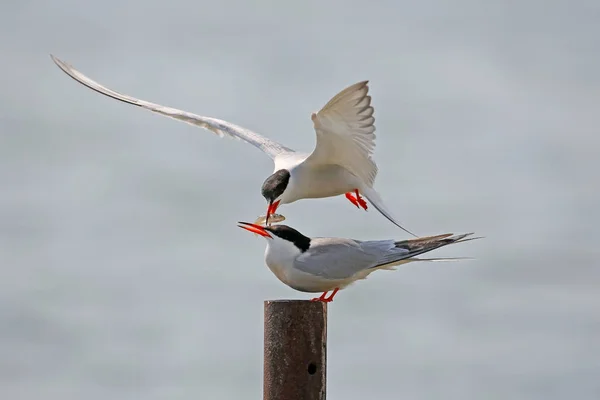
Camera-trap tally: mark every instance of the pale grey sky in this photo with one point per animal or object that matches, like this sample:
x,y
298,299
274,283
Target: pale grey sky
x,y
123,274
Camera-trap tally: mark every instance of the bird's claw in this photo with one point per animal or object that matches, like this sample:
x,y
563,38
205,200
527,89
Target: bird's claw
x,y
352,199
357,200
323,298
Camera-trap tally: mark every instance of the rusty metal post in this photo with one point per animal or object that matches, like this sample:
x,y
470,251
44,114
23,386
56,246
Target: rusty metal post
x,y
295,361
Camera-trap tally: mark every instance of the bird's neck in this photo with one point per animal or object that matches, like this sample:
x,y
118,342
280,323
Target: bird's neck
x,y
280,255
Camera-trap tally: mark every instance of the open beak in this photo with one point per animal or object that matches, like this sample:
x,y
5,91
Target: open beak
x,y
271,210
259,230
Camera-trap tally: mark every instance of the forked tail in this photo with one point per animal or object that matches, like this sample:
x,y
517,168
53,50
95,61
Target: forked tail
x,y
376,201
411,248
424,244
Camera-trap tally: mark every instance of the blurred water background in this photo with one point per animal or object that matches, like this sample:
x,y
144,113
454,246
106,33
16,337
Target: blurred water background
x,y
123,274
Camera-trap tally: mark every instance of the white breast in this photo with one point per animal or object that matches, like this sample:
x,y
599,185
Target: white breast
x,y
280,256
318,182
310,182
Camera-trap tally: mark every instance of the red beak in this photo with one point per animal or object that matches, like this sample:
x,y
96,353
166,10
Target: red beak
x,y
271,210
259,230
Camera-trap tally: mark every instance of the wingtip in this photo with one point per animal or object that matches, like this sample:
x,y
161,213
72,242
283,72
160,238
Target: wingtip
x,y
361,85
61,64
465,237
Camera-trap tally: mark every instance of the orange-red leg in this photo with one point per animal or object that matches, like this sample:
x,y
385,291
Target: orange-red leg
x,y
330,298
357,200
324,297
360,200
352,199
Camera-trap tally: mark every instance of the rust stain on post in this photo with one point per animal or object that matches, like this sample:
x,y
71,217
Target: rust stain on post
x,y
295,361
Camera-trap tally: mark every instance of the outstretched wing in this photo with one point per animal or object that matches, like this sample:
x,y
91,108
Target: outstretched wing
x,y
345,129
217,126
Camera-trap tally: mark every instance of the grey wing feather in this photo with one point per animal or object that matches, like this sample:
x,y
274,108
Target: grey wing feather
x,y
338,258
405,249
217,126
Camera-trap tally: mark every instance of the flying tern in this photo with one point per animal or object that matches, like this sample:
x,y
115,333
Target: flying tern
x,y
340,163
324,264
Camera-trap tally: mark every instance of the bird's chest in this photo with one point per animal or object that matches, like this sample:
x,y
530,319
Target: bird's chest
x,y
280,265
319,182
293,278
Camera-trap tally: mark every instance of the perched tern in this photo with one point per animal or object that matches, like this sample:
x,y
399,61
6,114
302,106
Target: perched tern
x,y
341,162
324,264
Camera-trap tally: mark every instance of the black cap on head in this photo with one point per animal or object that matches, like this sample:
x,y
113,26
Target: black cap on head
x,y
291,235
275,185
